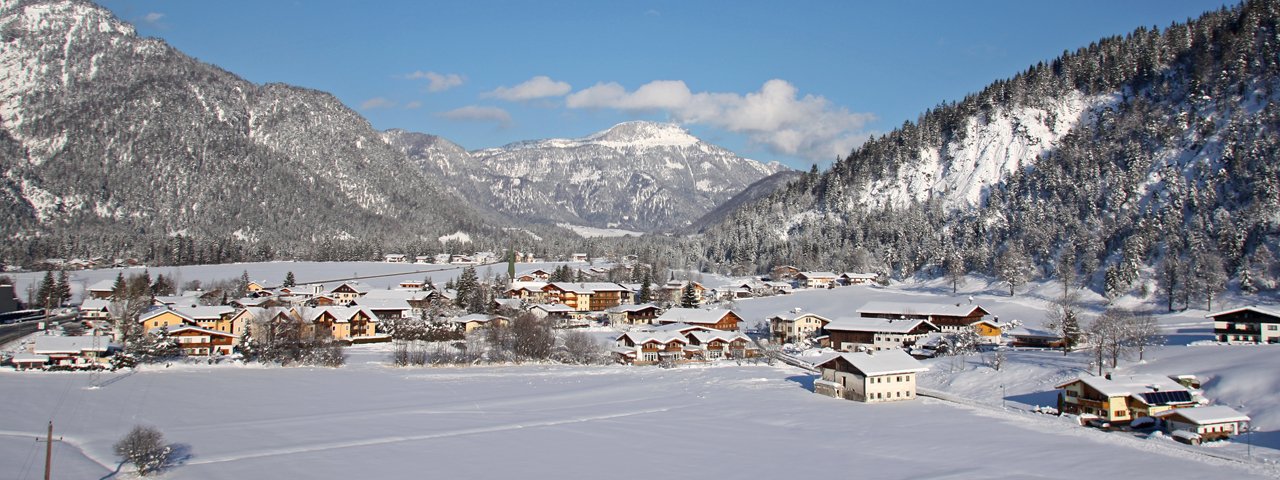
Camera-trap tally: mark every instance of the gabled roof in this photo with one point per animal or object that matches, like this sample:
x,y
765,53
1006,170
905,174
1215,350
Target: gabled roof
x,y
95,305
639,337
704,336
884,362
1031,333
477,317
354,286
513,303
552,308
160,310
406,295
633,308
831,275
103,286
1252,308
946,309
879,325
384,303
51,344
792,315
1133,385
1206,415
695,315
172,329
340,314
205,313
863,276
681,327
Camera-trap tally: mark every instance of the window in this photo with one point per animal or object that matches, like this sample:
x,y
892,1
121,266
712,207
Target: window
x,y
1273,327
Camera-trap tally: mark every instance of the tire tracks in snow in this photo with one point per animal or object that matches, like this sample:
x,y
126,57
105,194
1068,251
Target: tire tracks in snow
x,y
411,438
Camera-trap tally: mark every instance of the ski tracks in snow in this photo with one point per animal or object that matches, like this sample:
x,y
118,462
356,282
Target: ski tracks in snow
x,y
411,438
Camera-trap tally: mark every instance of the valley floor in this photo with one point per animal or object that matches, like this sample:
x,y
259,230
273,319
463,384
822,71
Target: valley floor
x,y
369,420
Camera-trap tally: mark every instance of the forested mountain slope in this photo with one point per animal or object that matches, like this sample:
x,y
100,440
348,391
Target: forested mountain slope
x,y
116,145
1155,149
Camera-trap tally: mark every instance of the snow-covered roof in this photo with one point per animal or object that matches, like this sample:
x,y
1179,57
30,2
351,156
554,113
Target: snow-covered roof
x,y
639,337
531,286
49,344
704,336
172,329
793,315
476,317
831,275
95,305
1206,415
947,309
863,276
631,308
29,358
552,308
883,362
205,313
160,310
103,285
1031,333
177,300
694,315
882,325
509,302
1253,308
1126,385
340,314
588,287
406,295
384,303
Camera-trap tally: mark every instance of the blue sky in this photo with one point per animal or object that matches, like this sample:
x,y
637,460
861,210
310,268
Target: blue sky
x,y
796,82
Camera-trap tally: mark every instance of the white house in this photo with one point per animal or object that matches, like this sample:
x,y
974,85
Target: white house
x,y
1207,423
876,333
873,377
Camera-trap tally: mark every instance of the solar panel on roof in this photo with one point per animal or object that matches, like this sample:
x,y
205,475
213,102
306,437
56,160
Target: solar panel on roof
x,y
1164,398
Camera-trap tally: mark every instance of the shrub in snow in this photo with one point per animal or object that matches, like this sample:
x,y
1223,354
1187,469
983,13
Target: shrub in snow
x,y
144,447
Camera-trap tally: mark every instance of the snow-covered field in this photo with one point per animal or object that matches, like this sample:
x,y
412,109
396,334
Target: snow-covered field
x,y
368,420
371,420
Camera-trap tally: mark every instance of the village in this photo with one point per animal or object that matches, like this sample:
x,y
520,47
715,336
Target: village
x,y
872,354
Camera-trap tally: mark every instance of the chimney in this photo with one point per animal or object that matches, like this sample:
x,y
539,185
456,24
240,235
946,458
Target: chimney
x,y
1108,376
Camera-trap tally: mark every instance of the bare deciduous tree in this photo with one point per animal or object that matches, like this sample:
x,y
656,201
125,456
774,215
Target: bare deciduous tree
x,y
144,447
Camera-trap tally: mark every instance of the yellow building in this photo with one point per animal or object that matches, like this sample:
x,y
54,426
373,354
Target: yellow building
x,y
1123,398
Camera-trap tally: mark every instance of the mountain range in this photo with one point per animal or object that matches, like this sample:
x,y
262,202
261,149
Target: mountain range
x,y
117,145
642,176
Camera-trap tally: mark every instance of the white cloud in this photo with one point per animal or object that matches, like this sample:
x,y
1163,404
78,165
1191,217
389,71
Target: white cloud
x,y
475,113
153,17
376,103
534,88
437,82
413,105
775,116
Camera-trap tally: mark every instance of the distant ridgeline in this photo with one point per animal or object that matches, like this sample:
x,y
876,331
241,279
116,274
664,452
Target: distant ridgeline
x,y
113,145
1156,148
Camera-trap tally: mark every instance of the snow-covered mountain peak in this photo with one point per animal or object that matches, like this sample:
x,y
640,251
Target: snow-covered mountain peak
x,y
643,134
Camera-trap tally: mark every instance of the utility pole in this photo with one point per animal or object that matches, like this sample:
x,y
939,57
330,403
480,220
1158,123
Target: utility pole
x,y
48,450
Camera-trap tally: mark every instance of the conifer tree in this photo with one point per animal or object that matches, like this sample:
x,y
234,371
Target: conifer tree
x,y
289,280
646,290
48,290
689,297
64,288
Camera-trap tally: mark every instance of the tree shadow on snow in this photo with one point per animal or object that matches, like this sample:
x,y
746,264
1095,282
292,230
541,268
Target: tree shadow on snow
x,y
1260,439
1048,398
1184,336
805,381
179,454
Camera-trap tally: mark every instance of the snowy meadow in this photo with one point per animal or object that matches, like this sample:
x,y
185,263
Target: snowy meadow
x,y
370,419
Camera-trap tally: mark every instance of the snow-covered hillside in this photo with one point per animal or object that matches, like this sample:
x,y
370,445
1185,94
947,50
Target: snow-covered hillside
x,y
990,147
